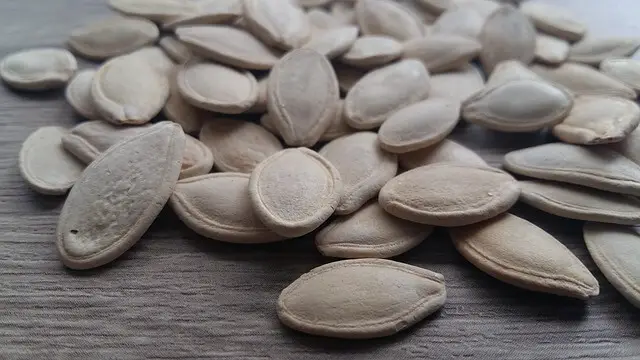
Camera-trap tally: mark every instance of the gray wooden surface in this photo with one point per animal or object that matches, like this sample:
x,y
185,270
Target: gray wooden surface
x,y
176,295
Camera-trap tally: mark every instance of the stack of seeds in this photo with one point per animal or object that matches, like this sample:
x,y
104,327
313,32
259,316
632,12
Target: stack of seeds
x,y
375,86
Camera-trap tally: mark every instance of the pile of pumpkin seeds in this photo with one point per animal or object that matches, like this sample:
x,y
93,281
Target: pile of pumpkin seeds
x,y
355,100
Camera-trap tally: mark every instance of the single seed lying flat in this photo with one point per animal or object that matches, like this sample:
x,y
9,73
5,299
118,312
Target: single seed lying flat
x,y
446,151
118,196
333,42
457,85
280,23
419,125
180,111
372,50
461,21
423,195
595,167
624,70
209,12
361,299
175,49
509,70
593,50
155,10
442,52
294,191
597,119
581,203
519,253
78,94
384,91
385,17
157,59
363,166
44,164
551,50
112,36
616,250
554,21
217,206
238,145
370,232
38,69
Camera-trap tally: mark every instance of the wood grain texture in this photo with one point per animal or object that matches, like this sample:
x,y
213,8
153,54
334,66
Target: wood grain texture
x,y
177,295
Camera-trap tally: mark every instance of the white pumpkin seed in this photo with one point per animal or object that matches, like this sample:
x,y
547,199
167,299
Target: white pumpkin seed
x,y
457,85
118,196
178,110
363,166
386,17
624,70
446,151
45,165
532,260
551,50
294,191
372,51
157,59
321,19
197,159
461,21
279,23
209,12
554,20
155,10
360,299
333,42
442,52
593,50
598,120
175,49
509,70
78,94
38,69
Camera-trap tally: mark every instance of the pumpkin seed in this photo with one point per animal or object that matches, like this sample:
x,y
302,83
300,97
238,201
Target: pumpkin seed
x,y
593,50
385,17
338,126
442,52
155,10
38,69
78,94
551,50
372,51
509,70
175,49
457,85
334,42
209,12
554,20
624,70
279,23
446,151
321,19
157,59
178,110
461,21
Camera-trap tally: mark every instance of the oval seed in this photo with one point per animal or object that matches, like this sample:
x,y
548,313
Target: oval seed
x,y
294,191
38,69
157,59
116,90
280,23
237,145
218,206
422,195
175,49
197,159
593,50
118,196
442,52
494,107
112,36
457,85
616,250
509,70
78,94
302,110
371,51
209,12
360,299
333,42
624,70
321,19
507,35
363,166
45,165
154,10
178,110
228,45
338,126
384,91
551,50
446,151
595,167
533,259
580,203
232,92
419,125
384,17
370,232
461,21
553,20
598,120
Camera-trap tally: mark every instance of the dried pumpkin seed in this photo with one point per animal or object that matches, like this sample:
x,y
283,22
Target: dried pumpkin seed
x,y
386,17
78,94
280,23
38,69
446,151
372,51
442,52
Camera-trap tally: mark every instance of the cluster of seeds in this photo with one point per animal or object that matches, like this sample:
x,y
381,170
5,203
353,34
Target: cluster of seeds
x,y
355,100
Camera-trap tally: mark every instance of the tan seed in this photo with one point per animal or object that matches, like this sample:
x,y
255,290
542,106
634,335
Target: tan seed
x,y
457,85
175,49
154,10
624,70
554,21
551,50
38,69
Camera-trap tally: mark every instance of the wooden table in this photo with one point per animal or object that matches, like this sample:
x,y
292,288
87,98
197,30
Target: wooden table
x,y
179,295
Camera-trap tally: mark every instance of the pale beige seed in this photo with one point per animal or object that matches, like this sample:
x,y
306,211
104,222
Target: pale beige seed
x,y
594,166
446,151
372,50
197,159
38,69
386,17
333,42
384,91
112,36
321,20
228,45
419,125
126,90
260,106
218,206
344,12
461,21
519,253
232,92
180,111
175,49
624,70
279,23
78,94
616,250
238,145
302,110
424,194
457,85
580,202
506,35
597,119
509,70
363,166
155,10
157,59
584,80
348,75
370,232
437,7
338,126
361,299
551,50
294,191
209,12
495,108
118,196
554,21
442,52
45,165
593,50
